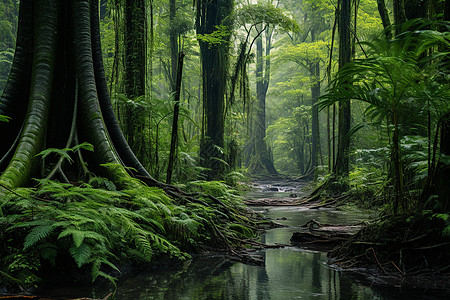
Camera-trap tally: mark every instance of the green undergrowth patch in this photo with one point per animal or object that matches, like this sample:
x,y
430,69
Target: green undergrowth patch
x,y
93,228
217,189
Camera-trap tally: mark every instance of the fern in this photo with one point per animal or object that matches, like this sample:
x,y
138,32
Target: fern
x,y
81,254
79,236
37,234
4,118
100,227
64,153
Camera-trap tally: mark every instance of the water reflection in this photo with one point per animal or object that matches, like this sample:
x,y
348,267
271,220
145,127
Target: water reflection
x,y
287,274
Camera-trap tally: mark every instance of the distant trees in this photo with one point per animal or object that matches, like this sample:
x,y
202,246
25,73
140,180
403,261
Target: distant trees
x,y
8,28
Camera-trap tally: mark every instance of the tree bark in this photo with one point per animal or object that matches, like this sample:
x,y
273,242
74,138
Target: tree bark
x,y
173,45
176,111
134,117
262,162
344,112
315,94
384,14
442,188
66,43
399,15
214,60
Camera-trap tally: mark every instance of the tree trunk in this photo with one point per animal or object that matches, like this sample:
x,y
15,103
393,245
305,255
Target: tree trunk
x,y
64,83
135,73
442,188
262,162
176,111
344,113
173,45
214,60
384,14
399,15
315,94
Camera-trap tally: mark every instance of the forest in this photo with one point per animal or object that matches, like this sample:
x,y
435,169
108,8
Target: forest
x,y
132,130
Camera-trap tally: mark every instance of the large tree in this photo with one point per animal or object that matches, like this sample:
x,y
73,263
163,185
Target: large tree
x,y
57,96
213,29
135,40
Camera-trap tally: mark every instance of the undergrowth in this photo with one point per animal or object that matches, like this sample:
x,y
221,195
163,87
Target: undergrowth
x,y
95,228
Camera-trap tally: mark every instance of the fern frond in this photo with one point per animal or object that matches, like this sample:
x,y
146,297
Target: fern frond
x,y
81,254
79,236
37,234
144,246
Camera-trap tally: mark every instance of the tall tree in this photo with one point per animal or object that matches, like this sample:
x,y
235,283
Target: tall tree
x,y
213,31
384,15
135,73
173,43
342,160
399,15
59,46
261,161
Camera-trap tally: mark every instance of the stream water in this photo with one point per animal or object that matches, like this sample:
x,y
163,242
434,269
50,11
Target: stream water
x,y
288,273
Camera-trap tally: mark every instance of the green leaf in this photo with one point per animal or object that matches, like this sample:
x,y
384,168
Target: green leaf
x,y
60,152
81,254
85,146
4,118
37,234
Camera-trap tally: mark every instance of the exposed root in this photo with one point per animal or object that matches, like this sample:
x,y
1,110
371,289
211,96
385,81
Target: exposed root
x,y
404,249
322,236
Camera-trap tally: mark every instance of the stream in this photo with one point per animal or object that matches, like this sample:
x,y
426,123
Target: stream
x,y
288,273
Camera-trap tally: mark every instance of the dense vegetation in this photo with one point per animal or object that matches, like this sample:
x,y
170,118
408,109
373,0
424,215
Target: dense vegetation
x,y
353,94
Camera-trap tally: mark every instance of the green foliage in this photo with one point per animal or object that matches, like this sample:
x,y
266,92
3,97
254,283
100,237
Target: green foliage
x,y
218,36
64,153
404,90
8,27
214,188
4,118
232,178
266,13
101,229
289,139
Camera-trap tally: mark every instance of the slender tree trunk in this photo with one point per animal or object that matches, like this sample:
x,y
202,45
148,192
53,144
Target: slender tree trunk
x,y
261,162
315,94
384,14
344,113
173,45
176,111
441,186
